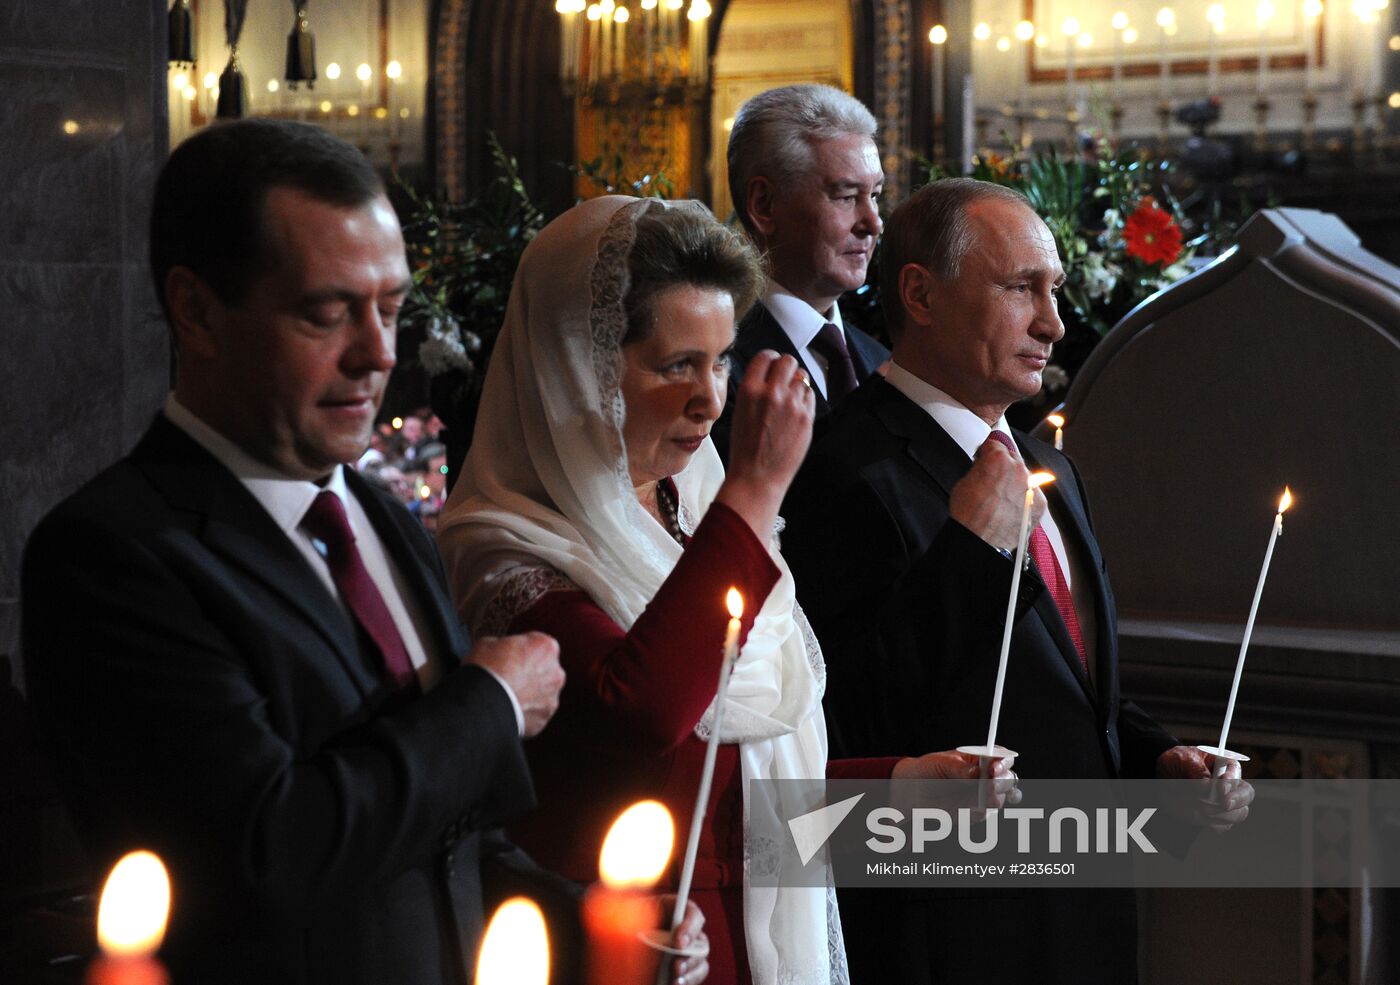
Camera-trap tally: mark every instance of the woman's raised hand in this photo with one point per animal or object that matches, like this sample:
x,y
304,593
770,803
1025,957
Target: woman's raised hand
x,y
772,431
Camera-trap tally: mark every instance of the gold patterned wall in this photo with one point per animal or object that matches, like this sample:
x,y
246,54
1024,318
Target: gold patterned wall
x,y
768,43
644,139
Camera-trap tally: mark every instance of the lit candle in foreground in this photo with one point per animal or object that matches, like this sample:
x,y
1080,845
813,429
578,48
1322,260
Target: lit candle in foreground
x,y
131,921
515,950
991,750
1058,423
1221,751
617,912
735,603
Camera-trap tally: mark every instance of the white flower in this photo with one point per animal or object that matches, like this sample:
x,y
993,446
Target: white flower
x,y
444,351
1099,276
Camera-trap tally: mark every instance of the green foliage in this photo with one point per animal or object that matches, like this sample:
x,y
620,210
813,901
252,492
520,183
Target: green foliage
x,y
464,257
611,178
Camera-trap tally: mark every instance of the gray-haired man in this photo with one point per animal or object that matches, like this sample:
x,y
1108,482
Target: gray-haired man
x,y
805,177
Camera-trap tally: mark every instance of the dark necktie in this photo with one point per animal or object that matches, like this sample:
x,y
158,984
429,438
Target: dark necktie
x,y
326,521
1043,555
830,344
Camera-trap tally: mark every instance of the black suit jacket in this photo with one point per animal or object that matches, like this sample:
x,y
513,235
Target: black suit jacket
x,y
204,696
759,330
909,606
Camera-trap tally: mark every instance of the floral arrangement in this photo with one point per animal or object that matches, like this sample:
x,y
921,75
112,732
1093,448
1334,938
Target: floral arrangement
x,y
464,257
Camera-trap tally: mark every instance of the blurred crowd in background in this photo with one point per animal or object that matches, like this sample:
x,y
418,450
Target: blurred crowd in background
x,y
406,459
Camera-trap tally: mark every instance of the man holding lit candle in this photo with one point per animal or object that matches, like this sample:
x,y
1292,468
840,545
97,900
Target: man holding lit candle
x,y
805,177
245,658
901,530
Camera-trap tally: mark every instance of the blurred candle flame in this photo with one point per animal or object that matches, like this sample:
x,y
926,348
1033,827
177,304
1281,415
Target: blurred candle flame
x,y
1286,500
1038,479
638,847
1056,420
515,950
135,905
735,602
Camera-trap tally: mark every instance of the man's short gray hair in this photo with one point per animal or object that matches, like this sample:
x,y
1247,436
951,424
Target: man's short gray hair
x,y
774,133
932,228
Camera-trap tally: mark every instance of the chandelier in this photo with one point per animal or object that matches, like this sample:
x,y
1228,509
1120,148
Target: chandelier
x,y
659,52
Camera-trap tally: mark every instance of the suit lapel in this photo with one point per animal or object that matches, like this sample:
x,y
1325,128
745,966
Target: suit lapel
x,y
433,604
235,526
932,448
1073,522
763,332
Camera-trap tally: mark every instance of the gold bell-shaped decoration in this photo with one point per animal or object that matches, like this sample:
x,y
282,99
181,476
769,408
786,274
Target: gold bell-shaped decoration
x,y
180,34
301,50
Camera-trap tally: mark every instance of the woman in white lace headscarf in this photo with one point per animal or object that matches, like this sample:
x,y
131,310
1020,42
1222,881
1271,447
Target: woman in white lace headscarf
x,y
593,507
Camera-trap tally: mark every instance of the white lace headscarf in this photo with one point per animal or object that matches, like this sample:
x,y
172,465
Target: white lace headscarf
x,y
546,484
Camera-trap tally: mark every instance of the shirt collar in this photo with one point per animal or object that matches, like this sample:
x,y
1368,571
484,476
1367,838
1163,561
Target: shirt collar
x,y
285,498
963,426
797,318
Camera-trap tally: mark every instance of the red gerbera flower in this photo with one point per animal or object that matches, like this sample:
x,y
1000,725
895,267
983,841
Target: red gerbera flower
x,y
1151,234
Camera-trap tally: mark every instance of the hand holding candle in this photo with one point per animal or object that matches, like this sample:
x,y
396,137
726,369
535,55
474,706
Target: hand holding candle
x,y
991,750
1220,751
131,923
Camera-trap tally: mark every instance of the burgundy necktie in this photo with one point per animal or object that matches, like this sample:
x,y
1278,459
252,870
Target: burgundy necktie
x,y
326,521
1043,555
830,344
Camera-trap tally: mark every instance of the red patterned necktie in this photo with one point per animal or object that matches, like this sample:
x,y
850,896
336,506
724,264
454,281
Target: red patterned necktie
x,y
830,344
1043,555
326,521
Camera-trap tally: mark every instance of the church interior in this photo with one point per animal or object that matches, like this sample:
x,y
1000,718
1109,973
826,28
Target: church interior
x,y
1261,348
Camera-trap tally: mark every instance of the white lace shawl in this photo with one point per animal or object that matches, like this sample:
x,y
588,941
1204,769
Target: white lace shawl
x,y
546,486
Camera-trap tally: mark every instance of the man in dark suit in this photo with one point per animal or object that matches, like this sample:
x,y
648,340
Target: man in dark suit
x,y
900,532
246,659
805,177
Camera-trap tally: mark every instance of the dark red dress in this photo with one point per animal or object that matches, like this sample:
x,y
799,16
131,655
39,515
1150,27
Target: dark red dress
x,y
625,727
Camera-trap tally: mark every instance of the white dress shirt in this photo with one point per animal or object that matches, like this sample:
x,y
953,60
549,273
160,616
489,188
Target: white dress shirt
x,y
286,501
971,432
801,322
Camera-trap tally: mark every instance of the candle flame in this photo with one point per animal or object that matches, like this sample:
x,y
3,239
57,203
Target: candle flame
x,y
1286,500
1056,420
938,34
515,950
135,904
1120,20
1038,479
735,602
637,847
